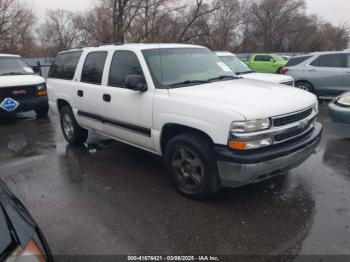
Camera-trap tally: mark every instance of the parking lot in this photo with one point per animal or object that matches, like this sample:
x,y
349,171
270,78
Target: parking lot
x,y
108,198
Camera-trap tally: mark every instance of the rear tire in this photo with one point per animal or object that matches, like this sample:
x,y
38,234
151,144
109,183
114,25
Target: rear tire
x,y
192,167
42,112
305,86
73,133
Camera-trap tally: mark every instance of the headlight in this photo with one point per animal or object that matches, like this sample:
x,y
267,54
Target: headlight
x,y
41,90
250,126
344,101
32,253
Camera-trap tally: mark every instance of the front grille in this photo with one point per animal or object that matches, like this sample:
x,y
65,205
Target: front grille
x,y
289,83
21,92
290,119
292,134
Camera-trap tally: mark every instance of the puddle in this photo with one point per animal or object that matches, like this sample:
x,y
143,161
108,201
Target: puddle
x,y
17,144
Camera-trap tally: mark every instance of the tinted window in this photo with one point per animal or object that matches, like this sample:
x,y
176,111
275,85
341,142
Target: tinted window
x,y
262,58
93,68
124,63
64,65
297,60
348,60
335,60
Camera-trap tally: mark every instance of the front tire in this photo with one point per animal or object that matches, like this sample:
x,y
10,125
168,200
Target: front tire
x,y
192,166
73,133
305,86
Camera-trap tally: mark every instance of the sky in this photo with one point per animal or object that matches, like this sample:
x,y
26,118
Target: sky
x,y
334,11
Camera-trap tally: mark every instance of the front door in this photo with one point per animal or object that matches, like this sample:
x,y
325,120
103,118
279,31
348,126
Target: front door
x,y
326,73
127,113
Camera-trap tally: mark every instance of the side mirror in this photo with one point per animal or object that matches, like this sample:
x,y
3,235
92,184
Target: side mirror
x,y
136,83
272,60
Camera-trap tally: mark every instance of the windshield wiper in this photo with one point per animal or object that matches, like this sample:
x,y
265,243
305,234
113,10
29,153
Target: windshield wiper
x,y
245,72
188,83
223,77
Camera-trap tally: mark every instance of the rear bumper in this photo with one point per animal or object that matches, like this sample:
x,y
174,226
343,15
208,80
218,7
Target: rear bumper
x,y
339,114
28,105
236,169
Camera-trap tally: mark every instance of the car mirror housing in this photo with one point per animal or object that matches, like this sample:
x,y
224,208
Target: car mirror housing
x,y
136,83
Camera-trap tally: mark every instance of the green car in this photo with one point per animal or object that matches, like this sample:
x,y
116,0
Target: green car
x,y
266,63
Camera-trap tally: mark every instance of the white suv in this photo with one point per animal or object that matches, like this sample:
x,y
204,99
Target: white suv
x,y
182,102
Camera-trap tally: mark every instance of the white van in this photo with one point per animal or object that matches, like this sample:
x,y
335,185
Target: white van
x,y
20,89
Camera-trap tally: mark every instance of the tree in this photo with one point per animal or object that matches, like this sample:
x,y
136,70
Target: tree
x,y
60,30
16,27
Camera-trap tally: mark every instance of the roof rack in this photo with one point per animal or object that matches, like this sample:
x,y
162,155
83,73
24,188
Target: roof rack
x,y
105,44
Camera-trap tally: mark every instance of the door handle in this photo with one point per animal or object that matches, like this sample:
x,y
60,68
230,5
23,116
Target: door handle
x,y
80,93
311,70
107,98
348,72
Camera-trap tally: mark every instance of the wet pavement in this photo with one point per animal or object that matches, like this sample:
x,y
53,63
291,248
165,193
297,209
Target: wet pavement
x,y
108,198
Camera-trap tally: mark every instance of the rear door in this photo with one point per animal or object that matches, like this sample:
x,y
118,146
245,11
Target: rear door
x,y
127,113
326,73
88,95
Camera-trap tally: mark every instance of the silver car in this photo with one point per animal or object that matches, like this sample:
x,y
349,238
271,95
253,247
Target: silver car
x,y
326,74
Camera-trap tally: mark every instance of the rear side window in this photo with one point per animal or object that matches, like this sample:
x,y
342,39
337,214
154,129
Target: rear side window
x,y
333,60
64,65
297,60
124,63
263,58
93,68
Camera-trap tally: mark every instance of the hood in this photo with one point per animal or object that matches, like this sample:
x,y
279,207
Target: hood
x,y
251,98
20,80
13,218
274,78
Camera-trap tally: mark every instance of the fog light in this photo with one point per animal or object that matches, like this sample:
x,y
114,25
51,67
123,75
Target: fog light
x,y
239,145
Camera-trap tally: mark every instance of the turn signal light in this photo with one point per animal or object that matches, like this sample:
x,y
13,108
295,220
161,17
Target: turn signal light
x,y
42,93
239,145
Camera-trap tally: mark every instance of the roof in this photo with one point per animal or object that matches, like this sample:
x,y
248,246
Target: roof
x,y
134,47
224,53
9,55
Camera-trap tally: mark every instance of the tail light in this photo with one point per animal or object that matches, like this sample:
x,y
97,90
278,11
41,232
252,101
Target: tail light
x,y
284,71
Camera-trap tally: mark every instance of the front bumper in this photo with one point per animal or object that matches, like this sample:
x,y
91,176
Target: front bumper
x,y
339,114
238,169
28,104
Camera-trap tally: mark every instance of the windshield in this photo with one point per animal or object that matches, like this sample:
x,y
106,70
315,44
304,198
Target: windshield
x,y
235,64
14,66
176,67
279,58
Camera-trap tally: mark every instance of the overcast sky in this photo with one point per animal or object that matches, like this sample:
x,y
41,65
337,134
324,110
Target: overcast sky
x,y
335,11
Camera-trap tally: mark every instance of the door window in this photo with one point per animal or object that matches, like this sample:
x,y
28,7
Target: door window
x,y
93,68
124,63
64,65
348,55
332,60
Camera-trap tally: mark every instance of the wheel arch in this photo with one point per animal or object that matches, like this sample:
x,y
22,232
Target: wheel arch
x,y
62,103
171,130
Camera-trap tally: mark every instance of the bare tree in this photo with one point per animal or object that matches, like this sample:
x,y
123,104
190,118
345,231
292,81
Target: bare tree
x,y
16,27
60,30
